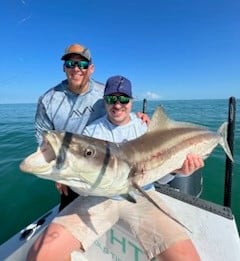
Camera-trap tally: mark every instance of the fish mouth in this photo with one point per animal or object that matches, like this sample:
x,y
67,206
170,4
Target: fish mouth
x,y
48,151
42,161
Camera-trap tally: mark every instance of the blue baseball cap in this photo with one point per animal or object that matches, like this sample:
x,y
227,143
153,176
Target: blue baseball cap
x,y
118,84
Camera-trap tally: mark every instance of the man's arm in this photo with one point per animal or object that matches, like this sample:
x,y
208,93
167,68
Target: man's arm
x,y
42,121
144,117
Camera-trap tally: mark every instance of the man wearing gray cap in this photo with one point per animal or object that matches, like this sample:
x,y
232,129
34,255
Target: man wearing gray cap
x,y
71,104
88,218
74,102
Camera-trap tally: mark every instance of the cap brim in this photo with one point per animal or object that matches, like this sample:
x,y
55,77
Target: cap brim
x,y
66,56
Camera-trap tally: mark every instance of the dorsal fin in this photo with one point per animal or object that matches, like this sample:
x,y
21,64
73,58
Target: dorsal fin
x,y
160,121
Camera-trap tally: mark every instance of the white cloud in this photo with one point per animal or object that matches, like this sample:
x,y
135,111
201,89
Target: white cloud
x,y
23,2
152,96
25,19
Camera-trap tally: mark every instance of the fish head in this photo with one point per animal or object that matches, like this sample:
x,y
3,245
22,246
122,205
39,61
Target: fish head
x,y
74,160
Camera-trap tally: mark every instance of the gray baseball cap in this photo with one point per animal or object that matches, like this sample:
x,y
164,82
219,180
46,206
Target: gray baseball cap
x,y
76,49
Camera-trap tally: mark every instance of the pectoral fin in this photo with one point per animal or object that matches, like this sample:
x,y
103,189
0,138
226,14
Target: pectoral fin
x,y
143,192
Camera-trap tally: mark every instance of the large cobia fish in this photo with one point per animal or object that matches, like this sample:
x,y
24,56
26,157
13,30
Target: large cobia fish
x,y
96,167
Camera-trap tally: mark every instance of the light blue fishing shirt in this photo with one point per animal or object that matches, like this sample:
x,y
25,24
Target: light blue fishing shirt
x,y
63,110
105,130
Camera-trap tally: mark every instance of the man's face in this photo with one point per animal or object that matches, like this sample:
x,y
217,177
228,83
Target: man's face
x,y
78,71
118,113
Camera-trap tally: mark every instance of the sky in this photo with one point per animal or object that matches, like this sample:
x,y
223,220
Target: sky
x,y
169,49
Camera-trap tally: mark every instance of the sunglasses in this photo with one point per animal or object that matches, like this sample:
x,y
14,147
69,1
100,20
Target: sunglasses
x,y
80,64
112,99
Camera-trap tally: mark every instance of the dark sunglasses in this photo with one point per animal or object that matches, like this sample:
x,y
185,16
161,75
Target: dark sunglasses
x,y
112,99
80,64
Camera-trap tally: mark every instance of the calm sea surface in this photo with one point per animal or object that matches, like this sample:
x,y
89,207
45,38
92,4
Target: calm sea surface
x,y
23,197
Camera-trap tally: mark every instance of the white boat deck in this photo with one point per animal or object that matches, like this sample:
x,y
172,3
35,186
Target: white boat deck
x,y
215,237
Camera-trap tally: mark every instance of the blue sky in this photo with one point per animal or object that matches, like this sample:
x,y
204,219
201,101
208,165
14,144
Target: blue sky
x,y
169,49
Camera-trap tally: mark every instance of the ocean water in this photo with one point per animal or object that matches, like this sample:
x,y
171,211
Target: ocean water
x,y
24,197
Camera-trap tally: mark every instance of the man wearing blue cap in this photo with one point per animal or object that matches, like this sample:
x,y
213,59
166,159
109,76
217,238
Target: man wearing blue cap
x,y
119,123
88,218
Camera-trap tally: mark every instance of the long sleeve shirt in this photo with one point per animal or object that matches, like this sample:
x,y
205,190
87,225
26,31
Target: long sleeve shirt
x,y
63,110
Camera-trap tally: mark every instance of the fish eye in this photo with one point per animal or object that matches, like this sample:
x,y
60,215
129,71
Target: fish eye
x,y
89,152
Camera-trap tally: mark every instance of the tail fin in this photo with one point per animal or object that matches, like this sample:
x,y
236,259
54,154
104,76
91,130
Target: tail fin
x,y
222,131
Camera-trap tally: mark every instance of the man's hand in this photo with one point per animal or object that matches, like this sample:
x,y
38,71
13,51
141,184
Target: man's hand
x,y
190,165
62,189
144,117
